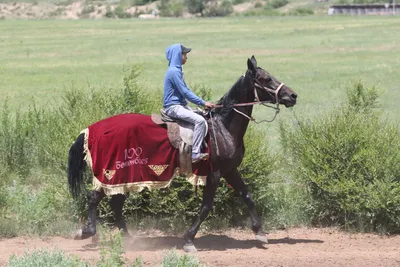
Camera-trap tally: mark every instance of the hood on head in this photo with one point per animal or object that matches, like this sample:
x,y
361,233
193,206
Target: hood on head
x,y
174,55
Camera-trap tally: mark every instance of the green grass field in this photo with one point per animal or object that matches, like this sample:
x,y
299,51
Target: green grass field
x,y
318,56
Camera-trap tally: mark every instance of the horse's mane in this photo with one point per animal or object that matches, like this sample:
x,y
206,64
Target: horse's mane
x,y
229,98
232,97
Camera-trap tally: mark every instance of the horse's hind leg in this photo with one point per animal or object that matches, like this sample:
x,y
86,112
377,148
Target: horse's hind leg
x,y
94,198
236,181
117,203
206,206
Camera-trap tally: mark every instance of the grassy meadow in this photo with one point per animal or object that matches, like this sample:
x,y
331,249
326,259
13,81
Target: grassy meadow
x,y
317,56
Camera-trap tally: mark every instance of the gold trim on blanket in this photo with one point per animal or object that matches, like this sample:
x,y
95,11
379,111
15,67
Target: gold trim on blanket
x,y
139,186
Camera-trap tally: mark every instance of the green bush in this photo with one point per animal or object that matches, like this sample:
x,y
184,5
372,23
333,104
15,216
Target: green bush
x,y
349,161
47,258
142,2
118,12
215,9
44,258
171,8
258,4
195,6
172,259
302,11
266,11
237,2
38,213
277,3
121,13
111,250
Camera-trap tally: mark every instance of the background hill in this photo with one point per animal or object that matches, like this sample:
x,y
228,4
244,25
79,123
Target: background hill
x,y
69,9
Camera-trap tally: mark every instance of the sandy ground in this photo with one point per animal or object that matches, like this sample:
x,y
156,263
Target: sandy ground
x,y
295,247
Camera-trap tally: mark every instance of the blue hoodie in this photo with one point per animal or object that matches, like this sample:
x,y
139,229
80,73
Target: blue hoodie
x,y
175,89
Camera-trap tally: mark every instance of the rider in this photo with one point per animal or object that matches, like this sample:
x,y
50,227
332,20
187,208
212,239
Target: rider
x,y
175,94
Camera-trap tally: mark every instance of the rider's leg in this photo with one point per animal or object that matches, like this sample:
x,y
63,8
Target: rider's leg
x,y
186,114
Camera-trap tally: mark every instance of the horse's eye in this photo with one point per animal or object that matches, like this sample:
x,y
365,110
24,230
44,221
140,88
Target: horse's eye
x,y
268,79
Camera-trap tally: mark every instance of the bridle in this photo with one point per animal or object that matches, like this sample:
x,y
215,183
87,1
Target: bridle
x,y
256,85
270,91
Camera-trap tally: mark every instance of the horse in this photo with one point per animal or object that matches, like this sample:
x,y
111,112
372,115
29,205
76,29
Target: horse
x,y
227,125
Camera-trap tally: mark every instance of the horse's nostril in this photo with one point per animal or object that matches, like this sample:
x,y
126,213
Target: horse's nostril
x,y
294,96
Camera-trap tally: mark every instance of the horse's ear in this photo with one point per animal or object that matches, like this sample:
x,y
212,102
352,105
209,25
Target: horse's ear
x,y
251,66
253,59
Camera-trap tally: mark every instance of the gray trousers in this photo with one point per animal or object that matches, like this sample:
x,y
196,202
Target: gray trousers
x,y
185,113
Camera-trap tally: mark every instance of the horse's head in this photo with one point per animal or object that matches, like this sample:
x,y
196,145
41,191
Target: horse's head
x,y
268,88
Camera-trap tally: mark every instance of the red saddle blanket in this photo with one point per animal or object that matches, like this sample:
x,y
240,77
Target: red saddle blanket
x,y
129,152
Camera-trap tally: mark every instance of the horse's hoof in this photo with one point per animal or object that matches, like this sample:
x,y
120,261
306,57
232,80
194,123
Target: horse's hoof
x,y
190,248
83,234
78,235
262,237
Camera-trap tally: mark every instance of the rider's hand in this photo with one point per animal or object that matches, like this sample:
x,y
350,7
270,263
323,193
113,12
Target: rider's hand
x,y
209,105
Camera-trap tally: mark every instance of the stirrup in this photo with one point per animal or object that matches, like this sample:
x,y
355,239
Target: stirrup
x,y
200,156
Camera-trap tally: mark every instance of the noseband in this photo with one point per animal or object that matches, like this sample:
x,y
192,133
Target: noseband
x,y
268,90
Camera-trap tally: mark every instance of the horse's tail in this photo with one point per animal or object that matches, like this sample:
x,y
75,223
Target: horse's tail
x,y
76,166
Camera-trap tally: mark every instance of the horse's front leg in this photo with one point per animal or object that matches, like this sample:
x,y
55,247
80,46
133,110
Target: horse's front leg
x,y
235,180
206,206
94,198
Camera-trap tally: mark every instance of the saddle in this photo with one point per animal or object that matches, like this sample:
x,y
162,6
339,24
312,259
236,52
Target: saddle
x,y
180,134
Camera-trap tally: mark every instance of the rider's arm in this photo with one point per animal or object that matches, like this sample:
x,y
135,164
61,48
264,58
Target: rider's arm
x,y
177,79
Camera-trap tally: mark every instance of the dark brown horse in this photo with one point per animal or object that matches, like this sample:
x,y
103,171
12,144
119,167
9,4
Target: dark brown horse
x,y
228,127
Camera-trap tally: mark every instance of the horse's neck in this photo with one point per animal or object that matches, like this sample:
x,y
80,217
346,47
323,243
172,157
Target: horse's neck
x,y
237,125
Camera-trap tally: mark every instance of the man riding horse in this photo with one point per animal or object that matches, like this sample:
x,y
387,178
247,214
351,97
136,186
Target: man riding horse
x,y
175,94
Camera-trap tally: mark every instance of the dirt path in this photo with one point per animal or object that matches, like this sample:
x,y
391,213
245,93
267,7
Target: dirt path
x,y
295,247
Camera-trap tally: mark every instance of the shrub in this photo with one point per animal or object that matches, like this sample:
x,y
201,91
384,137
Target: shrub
x,y
47,258
44,258
258,4
302,11
111,250
172,259
214,9
37,213
266,11
171,8
237,2
277,3
87,9
195,6
118,12
349,161
121,13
